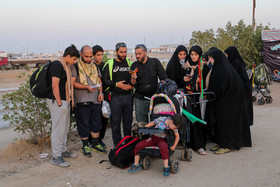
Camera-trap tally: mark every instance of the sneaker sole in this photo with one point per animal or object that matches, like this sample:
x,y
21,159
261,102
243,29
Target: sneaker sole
x,y
99,151
67,165
133,171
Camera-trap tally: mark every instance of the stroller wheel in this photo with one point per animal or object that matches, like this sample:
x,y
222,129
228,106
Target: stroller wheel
x,y
147,163
260,101
141,161
254,98
189,155
175,166
268,99
184,155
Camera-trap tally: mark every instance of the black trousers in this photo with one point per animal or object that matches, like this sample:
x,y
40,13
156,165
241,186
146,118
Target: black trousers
x,y
104,122
121,108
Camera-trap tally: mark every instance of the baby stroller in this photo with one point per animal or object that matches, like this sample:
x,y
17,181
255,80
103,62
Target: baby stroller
x,y
194,105
160,105
260,81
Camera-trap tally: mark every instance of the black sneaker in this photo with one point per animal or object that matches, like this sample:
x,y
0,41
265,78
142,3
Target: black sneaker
x,y
102,144
59,161
98,148
68,154
86,151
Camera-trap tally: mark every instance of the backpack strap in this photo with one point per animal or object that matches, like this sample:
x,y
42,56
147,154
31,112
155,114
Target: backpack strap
x,y
155,65
77,68
106,161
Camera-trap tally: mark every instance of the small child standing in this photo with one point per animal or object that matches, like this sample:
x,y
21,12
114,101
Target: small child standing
x,y
173,123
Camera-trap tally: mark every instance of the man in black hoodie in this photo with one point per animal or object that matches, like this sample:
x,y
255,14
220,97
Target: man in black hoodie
x,y
145,80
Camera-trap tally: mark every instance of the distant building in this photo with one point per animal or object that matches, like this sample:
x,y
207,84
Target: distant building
x,y
168,48
109,52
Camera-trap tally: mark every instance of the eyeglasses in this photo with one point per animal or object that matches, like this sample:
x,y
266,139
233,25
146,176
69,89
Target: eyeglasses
x,y
121,44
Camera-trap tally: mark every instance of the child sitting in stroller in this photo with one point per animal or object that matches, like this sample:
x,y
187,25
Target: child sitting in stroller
x,y
174,123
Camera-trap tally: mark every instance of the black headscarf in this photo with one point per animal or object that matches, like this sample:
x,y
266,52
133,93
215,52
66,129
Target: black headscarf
x,y
230,107
174,68
233,54
198,51
239,66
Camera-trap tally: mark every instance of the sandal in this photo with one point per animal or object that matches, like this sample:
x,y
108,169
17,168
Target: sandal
x,y
222,151
215,148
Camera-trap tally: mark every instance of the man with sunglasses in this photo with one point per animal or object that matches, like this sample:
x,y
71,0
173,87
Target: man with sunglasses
x,y
116,78
145,80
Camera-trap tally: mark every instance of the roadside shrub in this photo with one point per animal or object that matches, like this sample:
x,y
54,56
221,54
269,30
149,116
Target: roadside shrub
x,y
28,113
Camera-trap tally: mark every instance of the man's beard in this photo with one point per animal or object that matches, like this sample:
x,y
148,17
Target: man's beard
x,y
85,61
121,58
142,59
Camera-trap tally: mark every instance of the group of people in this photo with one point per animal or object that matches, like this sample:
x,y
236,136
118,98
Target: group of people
x,y
80,81
230,116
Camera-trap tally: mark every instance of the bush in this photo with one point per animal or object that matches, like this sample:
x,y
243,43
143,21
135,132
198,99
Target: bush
x,y
27,113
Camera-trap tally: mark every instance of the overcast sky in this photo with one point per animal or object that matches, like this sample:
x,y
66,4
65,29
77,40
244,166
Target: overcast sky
x,y
51,25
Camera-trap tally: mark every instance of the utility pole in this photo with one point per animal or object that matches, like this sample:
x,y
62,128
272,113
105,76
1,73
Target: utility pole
x,y
254,21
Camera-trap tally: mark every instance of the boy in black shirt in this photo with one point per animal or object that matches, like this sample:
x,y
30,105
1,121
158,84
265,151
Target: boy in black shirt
x,y
98,57
59,99
116,77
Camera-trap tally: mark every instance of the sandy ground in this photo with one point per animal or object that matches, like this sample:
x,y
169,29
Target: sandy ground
x,y
255,166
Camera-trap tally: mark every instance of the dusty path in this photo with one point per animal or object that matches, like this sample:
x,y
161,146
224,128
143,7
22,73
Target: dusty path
x,y
256,166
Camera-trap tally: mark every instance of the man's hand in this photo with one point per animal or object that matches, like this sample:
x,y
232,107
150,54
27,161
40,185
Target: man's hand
x,y
100,97
172,148
123,86
133,78
91,90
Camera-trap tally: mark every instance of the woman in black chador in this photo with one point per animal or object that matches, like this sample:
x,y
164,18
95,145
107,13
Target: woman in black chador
x,y
232,129
238,64
175,69
198,131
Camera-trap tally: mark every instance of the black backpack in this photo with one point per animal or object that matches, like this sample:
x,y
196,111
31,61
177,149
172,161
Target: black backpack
x,y
122,155
39,81
167,86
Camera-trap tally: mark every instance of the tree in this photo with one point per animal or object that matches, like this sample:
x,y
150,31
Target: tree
x,y
204,39
242,36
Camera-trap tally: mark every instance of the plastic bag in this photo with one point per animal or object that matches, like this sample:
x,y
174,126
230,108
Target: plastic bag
x,y
106,110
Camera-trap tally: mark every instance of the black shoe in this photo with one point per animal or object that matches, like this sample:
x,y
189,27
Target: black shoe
x,y
86,151
102,144
98,148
